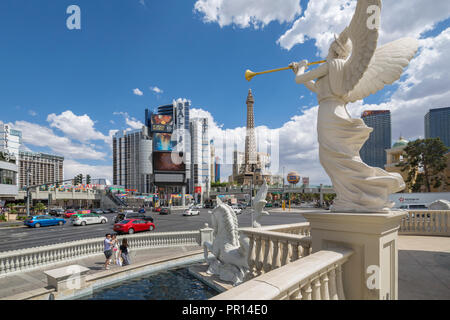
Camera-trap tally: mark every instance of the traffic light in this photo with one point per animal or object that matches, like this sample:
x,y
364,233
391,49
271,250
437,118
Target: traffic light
x,y
88,179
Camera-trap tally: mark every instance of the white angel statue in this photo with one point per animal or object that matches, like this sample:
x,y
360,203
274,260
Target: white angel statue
x,y
259,202
355,68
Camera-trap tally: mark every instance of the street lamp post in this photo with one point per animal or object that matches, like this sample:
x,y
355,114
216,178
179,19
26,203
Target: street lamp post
x,y
28,173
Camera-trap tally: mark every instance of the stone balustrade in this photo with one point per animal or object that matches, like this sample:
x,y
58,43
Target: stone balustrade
x,y
426,222
34,258
270,250
318,276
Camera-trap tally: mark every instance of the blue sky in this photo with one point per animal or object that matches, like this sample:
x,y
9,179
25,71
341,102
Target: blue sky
x,y
123,45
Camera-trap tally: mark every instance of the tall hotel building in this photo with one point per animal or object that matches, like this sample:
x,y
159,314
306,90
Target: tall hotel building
x,y
373,152
132,160
200,157
437,125
43,168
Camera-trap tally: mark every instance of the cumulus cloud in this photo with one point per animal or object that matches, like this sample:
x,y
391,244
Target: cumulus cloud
x,y
79,128
36,135
156,90
249,13
323,18
73,168
138,92
132,122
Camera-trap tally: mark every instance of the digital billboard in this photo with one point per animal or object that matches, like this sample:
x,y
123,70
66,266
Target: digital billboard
x,y
163,142
162,161
161,123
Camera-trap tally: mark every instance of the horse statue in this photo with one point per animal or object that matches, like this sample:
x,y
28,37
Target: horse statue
x,y
230,251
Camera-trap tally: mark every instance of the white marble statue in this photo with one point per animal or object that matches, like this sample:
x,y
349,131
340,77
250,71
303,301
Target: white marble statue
x,y
259,202
230,250
440,205
355,68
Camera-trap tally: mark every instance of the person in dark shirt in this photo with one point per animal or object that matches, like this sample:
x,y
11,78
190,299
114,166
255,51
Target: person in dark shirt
x,y
124,252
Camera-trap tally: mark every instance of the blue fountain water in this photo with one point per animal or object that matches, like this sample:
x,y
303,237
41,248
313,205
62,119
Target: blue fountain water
x,y
172,284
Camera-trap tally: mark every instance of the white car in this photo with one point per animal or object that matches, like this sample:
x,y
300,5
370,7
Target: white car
x,y
191,212
236,209
90,218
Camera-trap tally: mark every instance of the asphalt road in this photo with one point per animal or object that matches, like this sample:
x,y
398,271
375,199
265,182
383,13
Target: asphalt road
x,y
25,237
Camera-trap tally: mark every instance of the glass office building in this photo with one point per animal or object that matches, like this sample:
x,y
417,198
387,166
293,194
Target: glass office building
x,y
373,152
437,125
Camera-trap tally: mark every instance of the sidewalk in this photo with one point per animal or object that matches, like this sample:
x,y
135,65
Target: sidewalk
x,y
33,280
423,268
14,224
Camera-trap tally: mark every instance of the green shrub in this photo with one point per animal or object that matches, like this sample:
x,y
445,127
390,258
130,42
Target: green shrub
x,y
2,218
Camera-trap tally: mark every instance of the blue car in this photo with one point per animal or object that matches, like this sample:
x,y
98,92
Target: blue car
x,y
43,221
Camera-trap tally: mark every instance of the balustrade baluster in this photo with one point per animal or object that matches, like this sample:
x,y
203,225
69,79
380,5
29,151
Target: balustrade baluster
x,y
316,289
258,265
284,252
251,255
333,285
267,257
2,267
275,254
295,294
340,286
295,254
324,288
307,292
7,266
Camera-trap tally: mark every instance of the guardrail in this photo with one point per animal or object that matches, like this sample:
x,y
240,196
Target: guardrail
x,y
34,258
315,277
426,222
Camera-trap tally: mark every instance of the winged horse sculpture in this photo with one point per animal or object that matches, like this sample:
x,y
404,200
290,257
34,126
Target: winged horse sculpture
x,y
355,69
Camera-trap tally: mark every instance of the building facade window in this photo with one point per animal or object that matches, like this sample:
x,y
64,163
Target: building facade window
x,y
8,177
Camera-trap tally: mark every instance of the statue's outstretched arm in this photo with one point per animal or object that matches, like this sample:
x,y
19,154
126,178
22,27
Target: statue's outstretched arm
x,y
308,78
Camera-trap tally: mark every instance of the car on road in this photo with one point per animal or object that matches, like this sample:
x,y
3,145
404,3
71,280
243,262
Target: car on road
x,y
142,210
132,215
43,221
56,212
89,218
165,211
98,211
269,205
69,213
112,210
197,206
158,209
236,209
191,212
131,226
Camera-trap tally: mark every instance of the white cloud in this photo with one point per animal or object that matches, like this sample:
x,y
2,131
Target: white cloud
x,y
156,90
36,135
249,13
73,168
323,18
79,128
132,122
138,92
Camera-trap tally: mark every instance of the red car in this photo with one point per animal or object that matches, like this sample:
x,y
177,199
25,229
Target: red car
x,y
131,226
69,213
157,209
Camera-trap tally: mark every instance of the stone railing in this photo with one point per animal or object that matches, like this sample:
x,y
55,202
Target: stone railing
x,y
34,258
270,250
426,222
315,277
301,229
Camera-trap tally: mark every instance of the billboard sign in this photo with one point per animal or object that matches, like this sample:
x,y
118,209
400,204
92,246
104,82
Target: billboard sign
x,y
305,181
162,161
161,123
164,142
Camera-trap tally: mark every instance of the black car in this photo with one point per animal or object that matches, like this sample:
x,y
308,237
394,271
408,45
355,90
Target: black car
x,y
165,211
56,212
132,215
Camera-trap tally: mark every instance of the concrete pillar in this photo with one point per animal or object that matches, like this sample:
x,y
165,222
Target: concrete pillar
x,y
206,234
372,271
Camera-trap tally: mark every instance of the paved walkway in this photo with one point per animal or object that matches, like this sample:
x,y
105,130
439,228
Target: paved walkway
x,y
424,268
23,282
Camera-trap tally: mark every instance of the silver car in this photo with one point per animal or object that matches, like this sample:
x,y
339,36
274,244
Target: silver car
x,y
90,218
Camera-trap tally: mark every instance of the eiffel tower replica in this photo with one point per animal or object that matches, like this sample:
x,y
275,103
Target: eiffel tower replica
x,y
250,171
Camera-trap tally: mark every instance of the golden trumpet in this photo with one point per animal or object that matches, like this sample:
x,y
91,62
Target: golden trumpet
x,y
250,74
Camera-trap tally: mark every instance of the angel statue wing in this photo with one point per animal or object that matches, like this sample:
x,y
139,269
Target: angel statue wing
x,y
363,33
260,199
385,68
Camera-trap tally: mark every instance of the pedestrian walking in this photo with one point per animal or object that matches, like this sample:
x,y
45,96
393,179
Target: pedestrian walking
x,y
125,252
115,248
107,243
